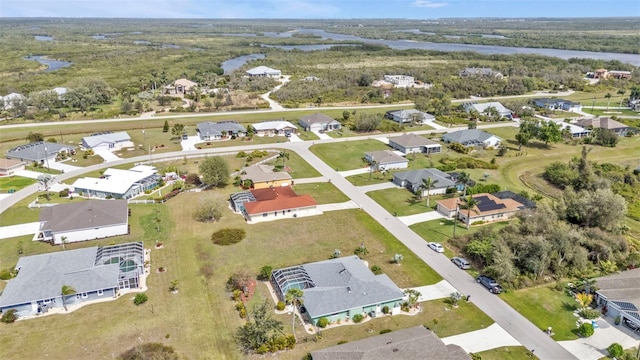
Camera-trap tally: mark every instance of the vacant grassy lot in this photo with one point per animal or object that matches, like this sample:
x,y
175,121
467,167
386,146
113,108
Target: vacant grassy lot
x,y
401,202
14,183
507,353
546,307
347,155
323,193
597,98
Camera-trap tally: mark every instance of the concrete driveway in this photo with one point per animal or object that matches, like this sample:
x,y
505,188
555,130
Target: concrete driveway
x,y
190,143
64,167
294,138
322,136
107,155
338,206
595,346
494,336
28,174
374,187
7,232
438,290
422,217
363,170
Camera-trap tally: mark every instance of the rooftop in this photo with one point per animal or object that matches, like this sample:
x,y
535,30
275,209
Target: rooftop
x,y
416,176
116,181
84,215
465,136
621,287
601,122
318,118
9,163
263,173
263,70
208,128
386,157
273,125
488,204
412,140
277,199
36,151
106,137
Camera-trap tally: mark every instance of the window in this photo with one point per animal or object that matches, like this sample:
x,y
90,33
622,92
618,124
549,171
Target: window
x,y
78,296
264,215
85,295
100,292
47,301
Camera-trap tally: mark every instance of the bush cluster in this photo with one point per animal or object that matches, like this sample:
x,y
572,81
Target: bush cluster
x,y
228,236
9,316
280,306
586,330
140,299
64,193
589,313
457,147
277,343
5,274
242,310
357,318
323,322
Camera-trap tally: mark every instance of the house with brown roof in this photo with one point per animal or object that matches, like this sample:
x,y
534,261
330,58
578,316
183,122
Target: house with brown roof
x,y
263,176
412,143
490,207
386,160
415,343
10,166
604,122
181,87
273,203
85,220
620,295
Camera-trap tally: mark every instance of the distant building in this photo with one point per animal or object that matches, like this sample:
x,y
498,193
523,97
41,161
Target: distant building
x,y
557,104
10,166
264,71
262,176
608,74
118,183
472,137
273,203
411,143
386,160
181,87
319,122
490,207
606,123
208,130
107,141
485,72
409,116
483,108
39,151
413,180
274,128
400,81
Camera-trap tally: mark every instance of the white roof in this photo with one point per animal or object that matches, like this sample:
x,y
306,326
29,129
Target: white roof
x,y
115,181
260,70
60,90
574,129
109,138
484,106
273,125
13,96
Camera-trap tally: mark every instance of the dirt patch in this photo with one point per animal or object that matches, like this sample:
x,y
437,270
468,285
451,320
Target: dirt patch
x,y
248,292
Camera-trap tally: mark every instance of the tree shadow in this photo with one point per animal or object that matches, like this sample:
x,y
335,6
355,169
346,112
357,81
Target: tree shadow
x,y
568,306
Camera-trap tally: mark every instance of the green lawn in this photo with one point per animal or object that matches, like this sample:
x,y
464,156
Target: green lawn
x,y
299,168
610,112
546,307
507,353
15,183
597,98
323,193
347,155
400,202
368,178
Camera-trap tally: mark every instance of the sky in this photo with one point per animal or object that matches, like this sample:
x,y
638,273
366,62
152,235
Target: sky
x,y
318,9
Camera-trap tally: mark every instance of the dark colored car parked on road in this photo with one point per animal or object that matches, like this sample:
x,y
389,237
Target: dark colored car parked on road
x,y
490,284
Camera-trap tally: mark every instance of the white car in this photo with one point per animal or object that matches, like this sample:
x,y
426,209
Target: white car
x,y
437,247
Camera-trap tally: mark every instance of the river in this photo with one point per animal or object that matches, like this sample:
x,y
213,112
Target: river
x,y
233,64
52,65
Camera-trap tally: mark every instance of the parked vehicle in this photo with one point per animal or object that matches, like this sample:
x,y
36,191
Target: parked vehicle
x,y
490,284
631,325
437,247
462,263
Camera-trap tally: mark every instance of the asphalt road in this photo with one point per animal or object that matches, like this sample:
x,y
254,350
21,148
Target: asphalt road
x,y
515,324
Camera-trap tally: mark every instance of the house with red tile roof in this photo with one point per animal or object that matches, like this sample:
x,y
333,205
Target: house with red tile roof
x,y
274,203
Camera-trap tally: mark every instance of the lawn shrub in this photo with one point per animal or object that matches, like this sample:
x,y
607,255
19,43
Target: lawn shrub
x,y
589,313
9,316
150,351
457,147
615,350
280,306
140,299
357,318
63,193
323,322
5,274
585,330
228,236
385,309
376,269
242,309
384,331
483,188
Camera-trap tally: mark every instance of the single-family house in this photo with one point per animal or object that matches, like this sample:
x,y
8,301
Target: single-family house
x,y
181,87
319,122
415,343
263,176
484,72
274,128
85,220
118,183
606,123
107,141
385,160
60,92
485,108
338,289
607,74
557,104
8,101
39,151
411,143
575,130
95,273
413,180
264,71
273,203
619,294
10,166
400,81
489,208
208,130
409,116
472,137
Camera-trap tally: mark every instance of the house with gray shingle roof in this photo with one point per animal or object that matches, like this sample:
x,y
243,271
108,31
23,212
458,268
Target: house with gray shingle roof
x,y
409,116
557,104
85,220
412,180
208,130
386,160
485,72
107,141
485,108
415,343
472,137
95,273
412,143
38,151
264,71
620,294
319,122
338,289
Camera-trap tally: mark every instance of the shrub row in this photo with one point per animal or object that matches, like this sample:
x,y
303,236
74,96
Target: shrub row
x,y
228,236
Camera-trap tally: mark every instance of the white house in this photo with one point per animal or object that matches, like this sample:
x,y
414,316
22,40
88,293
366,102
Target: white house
x,y
401,81
472,137
273,203
411,143
575,130
319,122
274,128
181,87
557,104
10,166
484,107
409,116
264,71
39,152
208,130
107,141
386,160
84,220
118,183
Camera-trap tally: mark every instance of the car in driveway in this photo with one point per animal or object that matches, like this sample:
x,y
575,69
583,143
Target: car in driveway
x,y
490,284
437,247
462,263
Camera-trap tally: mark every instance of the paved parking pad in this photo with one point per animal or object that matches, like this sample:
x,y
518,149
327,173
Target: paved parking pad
x,y
494,336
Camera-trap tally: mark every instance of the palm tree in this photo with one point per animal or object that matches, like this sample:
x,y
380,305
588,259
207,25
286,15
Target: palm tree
x,y
372,167
64,241
45,180
295,297
463,178
284,156
66,291
469,205
427,184
608,97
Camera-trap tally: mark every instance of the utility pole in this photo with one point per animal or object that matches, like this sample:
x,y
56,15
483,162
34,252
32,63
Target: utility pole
x,y
455,219
46,156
